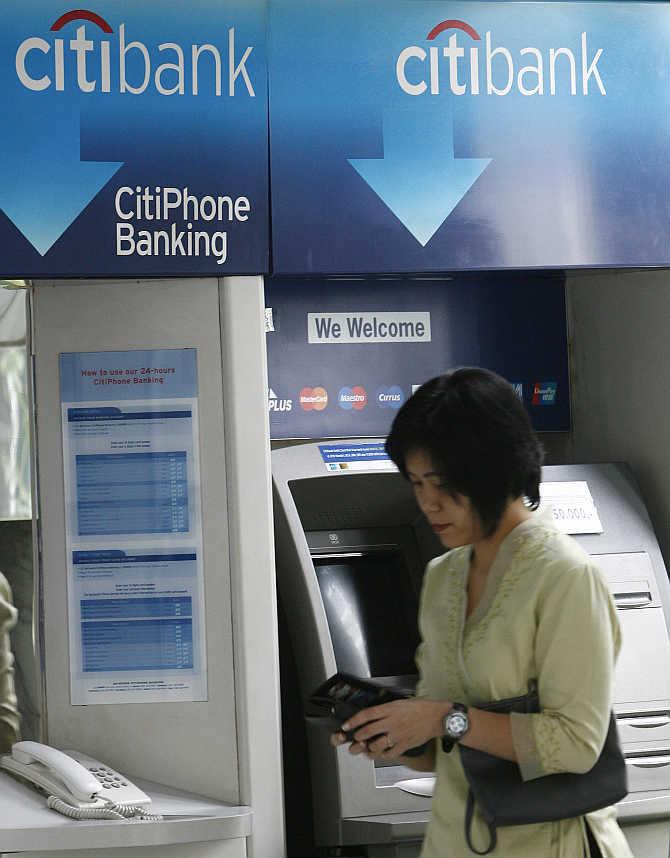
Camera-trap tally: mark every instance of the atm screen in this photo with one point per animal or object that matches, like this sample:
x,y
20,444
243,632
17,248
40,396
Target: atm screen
x,y
371,607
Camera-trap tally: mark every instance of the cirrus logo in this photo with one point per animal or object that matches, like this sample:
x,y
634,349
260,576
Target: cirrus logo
x,y
313,398
390,397
352,397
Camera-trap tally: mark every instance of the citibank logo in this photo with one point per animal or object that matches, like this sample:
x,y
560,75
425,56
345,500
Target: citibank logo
x,y
168,69
313,398
534,71
390,397
352,397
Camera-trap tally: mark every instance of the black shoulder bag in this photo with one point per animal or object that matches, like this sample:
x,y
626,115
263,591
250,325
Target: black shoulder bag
x,y
503,798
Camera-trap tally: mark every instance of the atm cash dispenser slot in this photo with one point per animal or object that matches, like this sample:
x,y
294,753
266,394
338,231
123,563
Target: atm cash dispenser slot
x,y
632,594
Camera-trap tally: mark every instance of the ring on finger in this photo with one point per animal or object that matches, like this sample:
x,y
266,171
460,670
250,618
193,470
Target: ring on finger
x,y
389,742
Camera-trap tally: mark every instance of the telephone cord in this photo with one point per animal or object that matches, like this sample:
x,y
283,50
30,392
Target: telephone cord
x,y
109,811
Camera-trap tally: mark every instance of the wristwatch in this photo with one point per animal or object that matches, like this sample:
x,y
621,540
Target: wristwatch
x,y
455,724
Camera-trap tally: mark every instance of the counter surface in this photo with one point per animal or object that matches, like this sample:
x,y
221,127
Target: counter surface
x,y
26,824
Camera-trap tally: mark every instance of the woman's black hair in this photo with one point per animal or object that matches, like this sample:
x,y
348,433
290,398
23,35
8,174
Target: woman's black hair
x,y
475,429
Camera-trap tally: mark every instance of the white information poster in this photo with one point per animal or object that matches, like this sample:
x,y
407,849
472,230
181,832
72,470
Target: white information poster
x,y
133,526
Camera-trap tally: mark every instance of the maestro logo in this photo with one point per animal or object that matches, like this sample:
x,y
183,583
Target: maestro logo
x,y
466,66
390,397
168,69
352,397
313,398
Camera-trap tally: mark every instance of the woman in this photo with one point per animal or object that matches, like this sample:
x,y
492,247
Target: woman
x,y
513,602
9,716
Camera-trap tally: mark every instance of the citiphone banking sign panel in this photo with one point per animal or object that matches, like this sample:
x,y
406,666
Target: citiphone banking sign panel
x,y
121,148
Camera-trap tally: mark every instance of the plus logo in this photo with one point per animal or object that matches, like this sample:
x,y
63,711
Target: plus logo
x,y
168,69
466,67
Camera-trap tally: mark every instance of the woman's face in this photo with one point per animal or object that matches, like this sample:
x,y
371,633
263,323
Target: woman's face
x,y
451,516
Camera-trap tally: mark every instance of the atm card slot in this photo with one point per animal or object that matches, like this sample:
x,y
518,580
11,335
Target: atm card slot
x,y
633,599
633,593
338,555
630,578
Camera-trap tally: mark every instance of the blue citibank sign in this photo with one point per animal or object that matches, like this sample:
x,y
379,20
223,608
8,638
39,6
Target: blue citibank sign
x,y
134,138
392,136
428,136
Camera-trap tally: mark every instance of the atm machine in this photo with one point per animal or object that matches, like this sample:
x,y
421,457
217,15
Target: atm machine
x,y
351,547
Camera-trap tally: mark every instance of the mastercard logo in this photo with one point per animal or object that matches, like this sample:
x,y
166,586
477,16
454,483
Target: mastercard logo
x,y
313,398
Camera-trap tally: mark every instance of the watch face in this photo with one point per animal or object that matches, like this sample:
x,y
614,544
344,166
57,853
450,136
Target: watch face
x,y
457,724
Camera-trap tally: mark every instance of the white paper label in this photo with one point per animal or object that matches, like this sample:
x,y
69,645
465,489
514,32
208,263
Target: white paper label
x,y
368,327
572,506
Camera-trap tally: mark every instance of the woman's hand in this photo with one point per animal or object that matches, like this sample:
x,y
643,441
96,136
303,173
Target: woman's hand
x,y
385,732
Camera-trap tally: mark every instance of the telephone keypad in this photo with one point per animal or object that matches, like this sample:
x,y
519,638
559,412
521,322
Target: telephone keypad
x,y
108,777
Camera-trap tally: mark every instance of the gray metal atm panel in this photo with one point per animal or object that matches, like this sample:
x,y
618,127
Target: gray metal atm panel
x,y
627,527
629,556
642,680
328,511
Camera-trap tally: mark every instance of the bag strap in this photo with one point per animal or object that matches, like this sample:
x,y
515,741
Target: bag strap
x,y
469,815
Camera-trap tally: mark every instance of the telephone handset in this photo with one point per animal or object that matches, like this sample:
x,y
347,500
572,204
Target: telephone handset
x,y
77,785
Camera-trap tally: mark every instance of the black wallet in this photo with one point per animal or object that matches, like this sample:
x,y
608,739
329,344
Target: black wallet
x,y
343,695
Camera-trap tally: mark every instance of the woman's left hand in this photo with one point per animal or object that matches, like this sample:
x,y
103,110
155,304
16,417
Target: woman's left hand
x,y
385,732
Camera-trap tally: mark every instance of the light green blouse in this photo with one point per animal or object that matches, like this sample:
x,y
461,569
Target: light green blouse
x,y
547,615
9,715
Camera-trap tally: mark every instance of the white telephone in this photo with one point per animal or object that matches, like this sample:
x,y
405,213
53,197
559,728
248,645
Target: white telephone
x,y
77,785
